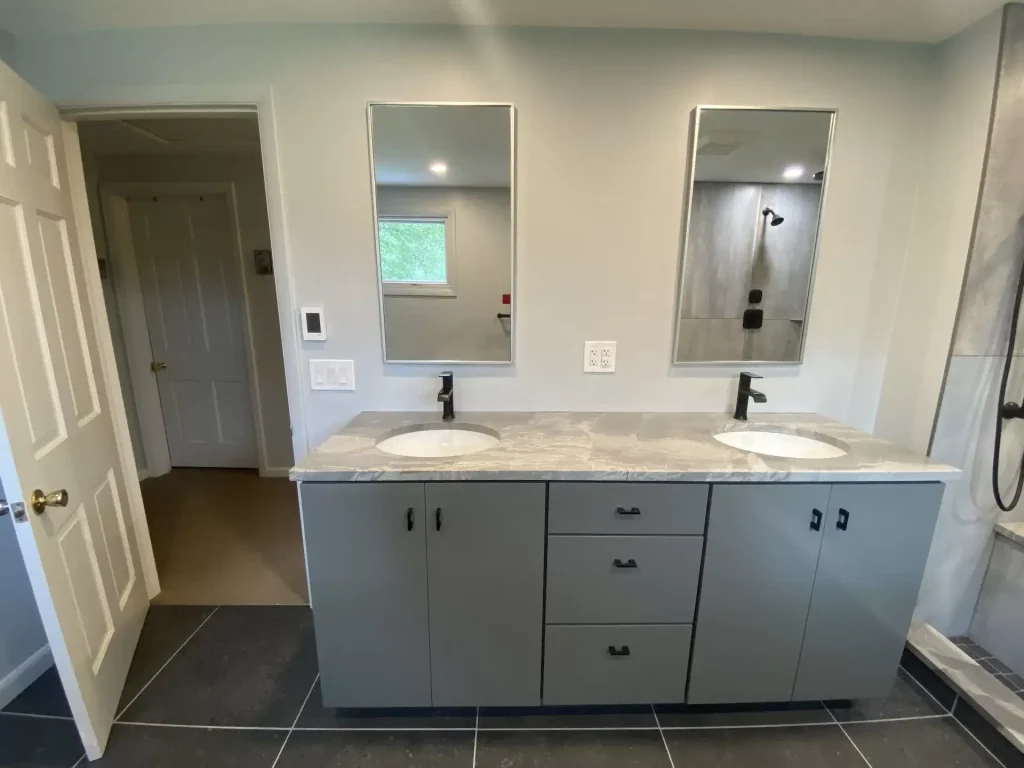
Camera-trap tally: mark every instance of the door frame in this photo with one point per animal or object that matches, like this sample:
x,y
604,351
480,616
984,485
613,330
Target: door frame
x,y
131,309
106,101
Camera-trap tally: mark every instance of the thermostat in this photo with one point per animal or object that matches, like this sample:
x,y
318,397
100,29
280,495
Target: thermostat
x,y
313,326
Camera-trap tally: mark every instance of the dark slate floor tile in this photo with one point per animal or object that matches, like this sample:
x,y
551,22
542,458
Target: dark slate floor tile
x,y
567,717
30,742
44,697
986,733
931,743
1000,667
795,747
379,749
316,715
930,680
989,665
975,651
1012,681
248,666
167,627
136,746
907,699
571,749
703,716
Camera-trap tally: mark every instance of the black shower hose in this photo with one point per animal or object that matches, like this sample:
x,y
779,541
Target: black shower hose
x,y
1001,412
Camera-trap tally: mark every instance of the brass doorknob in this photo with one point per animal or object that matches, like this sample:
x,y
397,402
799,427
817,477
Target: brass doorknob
x,y
158,366
40,501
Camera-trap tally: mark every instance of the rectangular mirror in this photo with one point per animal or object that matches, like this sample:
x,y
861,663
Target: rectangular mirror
x,y
444,209
757,179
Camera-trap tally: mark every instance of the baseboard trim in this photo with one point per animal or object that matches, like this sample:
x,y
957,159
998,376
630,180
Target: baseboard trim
x,y
274,471
24,675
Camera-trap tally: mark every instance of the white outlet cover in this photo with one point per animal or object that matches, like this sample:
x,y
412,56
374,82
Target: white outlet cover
x,y
332,374
599,357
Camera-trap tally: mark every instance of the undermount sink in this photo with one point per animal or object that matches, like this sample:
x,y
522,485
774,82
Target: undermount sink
x,y
784,444
438,440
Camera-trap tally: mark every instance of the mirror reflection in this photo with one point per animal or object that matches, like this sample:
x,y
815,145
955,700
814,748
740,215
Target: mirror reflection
x,y
757,180
443,195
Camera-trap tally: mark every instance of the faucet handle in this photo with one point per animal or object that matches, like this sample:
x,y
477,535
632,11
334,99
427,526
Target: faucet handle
x,y
752,375
446,374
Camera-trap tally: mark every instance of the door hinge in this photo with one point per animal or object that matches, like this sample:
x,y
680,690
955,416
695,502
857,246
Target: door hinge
x,y
17,510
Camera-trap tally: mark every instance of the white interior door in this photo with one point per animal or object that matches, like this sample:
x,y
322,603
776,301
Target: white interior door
x,y
192,291
56,427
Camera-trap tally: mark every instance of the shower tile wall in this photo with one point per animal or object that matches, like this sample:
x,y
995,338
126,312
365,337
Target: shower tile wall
x,y
967,412
727,255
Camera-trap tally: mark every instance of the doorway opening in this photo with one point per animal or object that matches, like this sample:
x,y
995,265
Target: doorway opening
x,y
179,215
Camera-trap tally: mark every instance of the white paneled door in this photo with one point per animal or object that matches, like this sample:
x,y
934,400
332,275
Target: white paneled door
x,y
56,429
192,290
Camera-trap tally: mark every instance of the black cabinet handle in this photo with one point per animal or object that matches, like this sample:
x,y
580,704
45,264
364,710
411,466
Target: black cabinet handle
x,y
844,519
408,519
631,563
816,520
630,511
623,651
437,519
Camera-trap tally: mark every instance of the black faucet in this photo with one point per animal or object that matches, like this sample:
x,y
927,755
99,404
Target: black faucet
x,y
447,395
743,395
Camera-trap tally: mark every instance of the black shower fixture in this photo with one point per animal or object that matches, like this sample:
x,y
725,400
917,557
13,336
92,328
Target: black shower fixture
x,y
776,219
819,176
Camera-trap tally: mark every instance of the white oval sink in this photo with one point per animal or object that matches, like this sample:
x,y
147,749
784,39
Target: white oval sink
x,y
437,442
780,444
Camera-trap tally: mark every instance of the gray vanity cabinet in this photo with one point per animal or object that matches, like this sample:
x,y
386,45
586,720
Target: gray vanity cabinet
x,y
759,563
485,552
876,542
366,558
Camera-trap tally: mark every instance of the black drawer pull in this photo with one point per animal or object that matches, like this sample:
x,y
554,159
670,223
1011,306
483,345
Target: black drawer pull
x,y
437,519
623,651
630,511
816,520
631,563
844,519
408,519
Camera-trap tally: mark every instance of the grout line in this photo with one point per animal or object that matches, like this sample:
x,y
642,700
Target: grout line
x,y
931,696
848,737
35,716
80,760
664,741
296,720
476,735
980,743
154,677
956,700
313,729
205,727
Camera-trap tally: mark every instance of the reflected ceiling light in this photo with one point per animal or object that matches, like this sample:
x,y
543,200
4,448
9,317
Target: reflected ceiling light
x,y
438,168
793,172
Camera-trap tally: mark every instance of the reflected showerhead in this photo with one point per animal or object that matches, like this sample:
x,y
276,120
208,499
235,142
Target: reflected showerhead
x,y
776,219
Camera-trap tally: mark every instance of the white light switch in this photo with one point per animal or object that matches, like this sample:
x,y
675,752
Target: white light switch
x,y
599,357
332,374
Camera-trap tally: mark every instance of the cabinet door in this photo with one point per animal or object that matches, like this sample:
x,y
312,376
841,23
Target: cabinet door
x,y
485,545
367,583
761,553
877,538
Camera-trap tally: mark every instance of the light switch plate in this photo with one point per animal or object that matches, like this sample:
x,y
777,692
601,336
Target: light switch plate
x,y
332,374
599,357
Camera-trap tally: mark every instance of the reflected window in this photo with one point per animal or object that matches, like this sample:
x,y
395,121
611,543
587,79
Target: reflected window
x,y
415,257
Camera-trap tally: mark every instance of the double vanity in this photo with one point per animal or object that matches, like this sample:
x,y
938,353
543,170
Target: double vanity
x,y
524,559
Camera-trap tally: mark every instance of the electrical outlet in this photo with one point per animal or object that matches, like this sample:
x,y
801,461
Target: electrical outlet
x,y
599,357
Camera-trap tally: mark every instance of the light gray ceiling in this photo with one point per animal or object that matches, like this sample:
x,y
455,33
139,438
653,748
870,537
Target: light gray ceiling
x,y
473,141
909,20
170,135
758,145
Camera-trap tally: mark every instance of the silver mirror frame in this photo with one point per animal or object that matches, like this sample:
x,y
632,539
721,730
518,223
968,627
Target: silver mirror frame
x,y
690,172
376,237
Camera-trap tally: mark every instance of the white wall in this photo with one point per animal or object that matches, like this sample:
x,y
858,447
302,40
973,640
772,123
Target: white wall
x,y
929,290
245,170
602,142
466,326
21,631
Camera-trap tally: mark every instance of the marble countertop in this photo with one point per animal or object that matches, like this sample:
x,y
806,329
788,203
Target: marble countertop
x,y
1012,531
613,446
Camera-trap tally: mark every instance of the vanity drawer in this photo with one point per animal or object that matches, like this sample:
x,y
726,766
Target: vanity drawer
x,y
616,664
628,508
622,579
